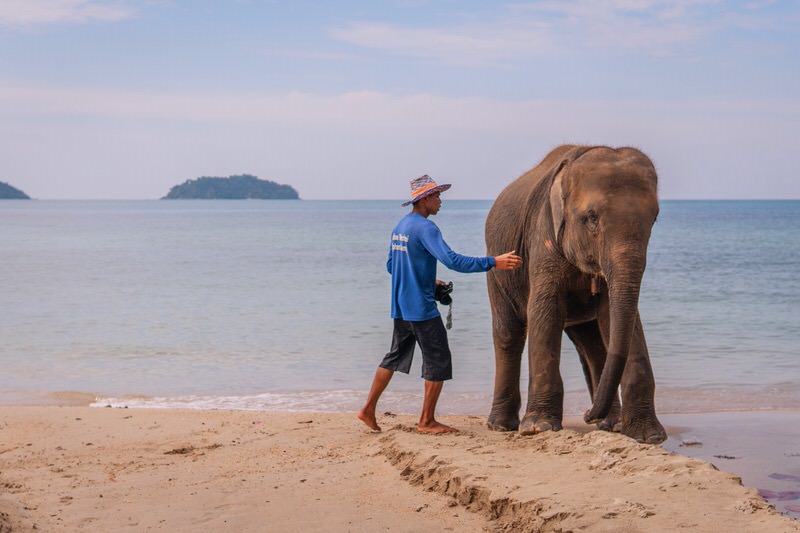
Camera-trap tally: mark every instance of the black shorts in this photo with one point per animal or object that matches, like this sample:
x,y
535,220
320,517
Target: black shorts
x,y
437,363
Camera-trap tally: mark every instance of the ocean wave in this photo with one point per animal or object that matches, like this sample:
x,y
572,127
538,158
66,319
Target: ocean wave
x,y
668,400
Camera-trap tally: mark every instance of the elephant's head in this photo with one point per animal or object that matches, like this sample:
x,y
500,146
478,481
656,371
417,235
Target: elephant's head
x,y
604,203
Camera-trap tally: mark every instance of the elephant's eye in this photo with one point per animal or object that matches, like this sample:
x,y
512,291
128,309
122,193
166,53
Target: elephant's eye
x,y
590,220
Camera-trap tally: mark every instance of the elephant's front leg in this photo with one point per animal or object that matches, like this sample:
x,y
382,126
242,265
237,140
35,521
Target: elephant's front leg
x,y
509,341
545,407
639,419
591,349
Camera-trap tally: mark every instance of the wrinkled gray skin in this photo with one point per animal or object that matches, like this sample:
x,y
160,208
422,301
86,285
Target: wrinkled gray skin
x,y
582,213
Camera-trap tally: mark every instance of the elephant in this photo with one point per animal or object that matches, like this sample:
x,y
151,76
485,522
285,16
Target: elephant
x,y
581,221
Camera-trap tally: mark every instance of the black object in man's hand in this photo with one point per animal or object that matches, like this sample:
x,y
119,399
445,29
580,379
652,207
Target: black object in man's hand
x,y
442,293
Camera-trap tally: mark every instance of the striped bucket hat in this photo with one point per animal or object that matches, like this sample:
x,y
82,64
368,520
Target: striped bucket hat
x,y
424,186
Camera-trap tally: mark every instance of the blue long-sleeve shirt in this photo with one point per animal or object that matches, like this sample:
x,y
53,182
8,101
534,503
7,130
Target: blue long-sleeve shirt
x,y
416,245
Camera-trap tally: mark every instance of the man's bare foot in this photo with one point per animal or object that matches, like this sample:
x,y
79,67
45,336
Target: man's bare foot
x,y
435,427
369,420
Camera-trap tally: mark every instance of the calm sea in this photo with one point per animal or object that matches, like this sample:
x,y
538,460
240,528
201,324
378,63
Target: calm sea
x,y
284,304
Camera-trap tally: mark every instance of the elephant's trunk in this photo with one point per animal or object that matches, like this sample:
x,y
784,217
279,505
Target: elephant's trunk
x,y
624,276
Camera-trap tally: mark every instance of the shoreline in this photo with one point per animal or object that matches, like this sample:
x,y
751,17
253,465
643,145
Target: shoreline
x,y
406,398
90,469
753,444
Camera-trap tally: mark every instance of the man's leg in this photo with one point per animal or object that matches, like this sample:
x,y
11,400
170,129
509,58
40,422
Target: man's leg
x,y
398,359
427,421
437,367
379,383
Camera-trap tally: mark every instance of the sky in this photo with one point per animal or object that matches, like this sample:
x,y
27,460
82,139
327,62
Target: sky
x,y
122,99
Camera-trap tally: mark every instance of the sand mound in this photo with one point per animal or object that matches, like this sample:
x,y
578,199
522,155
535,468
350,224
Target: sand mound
x,y
568,481
99,470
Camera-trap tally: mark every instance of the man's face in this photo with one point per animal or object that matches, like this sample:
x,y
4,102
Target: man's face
x,y
433,203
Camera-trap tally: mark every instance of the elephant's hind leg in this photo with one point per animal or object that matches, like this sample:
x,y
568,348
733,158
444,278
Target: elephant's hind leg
x,y
592,352
509,341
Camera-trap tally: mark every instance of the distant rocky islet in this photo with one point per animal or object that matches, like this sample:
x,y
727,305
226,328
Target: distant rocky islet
x,y
240,187
9,192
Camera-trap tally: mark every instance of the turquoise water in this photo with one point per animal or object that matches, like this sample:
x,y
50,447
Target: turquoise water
x,y
284,304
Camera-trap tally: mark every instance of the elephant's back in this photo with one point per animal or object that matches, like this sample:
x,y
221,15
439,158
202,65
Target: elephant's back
x,y
621,157
505,217
520,188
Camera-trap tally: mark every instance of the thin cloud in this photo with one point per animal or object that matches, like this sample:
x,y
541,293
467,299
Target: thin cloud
x,y
26,13
356,109
363,133
310,54
586,10
472,46
651,27
655,27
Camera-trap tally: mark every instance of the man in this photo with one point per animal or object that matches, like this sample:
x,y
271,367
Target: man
x,y
416,246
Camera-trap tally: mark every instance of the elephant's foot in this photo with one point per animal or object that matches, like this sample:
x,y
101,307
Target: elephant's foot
x,y
645,429
502,422
612,425
612,422
533,424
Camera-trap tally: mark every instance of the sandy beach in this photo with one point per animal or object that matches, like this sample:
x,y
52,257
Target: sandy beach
x,y
83,469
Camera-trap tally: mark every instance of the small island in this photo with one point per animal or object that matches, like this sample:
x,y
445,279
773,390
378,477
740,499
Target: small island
x,y
7,192
239,187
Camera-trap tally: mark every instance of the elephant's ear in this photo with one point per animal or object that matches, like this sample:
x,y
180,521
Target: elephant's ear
x,y
557,197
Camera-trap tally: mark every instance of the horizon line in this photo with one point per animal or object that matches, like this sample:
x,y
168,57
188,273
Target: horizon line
x,y
401,200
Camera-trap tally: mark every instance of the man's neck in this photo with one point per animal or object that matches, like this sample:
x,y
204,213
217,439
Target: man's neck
x,y
420,210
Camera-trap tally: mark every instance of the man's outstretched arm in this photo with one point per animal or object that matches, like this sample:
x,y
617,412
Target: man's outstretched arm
x,y
508,261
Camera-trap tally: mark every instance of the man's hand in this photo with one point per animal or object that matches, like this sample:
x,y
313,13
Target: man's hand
x,y
508,261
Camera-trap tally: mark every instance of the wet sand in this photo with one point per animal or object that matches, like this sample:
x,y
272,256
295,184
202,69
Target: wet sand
x,y
84,469
762,447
